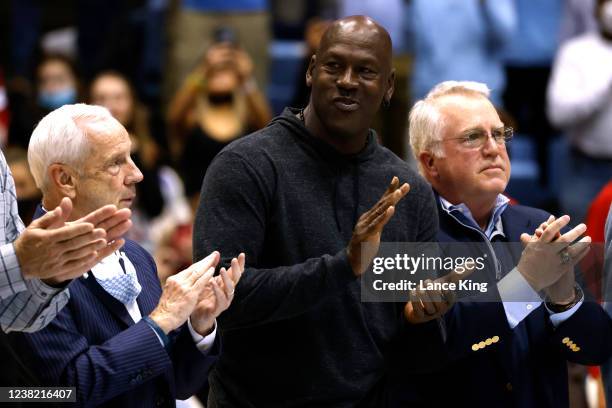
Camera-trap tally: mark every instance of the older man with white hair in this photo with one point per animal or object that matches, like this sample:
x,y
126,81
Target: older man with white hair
x,y
121,341
38,261
512,352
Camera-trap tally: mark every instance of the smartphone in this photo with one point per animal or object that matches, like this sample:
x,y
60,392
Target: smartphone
x,y
225,34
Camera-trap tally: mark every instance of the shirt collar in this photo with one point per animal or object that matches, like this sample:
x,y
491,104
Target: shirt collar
x,y
494,227
109,266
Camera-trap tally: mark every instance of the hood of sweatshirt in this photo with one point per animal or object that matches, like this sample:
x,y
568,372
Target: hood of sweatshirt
x,y
337,162
289,120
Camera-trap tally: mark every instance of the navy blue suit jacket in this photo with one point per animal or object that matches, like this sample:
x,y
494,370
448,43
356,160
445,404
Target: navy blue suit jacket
x,y
94,345
526,367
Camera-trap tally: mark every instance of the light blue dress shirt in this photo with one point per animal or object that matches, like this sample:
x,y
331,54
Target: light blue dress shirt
x,y
513,285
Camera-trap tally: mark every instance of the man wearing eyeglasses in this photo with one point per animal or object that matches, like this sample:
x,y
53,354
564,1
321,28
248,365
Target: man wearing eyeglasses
x,y
512,351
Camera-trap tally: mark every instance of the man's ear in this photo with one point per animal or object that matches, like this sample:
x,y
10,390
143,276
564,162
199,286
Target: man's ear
x,y
63,179
390,87
428,165
311,66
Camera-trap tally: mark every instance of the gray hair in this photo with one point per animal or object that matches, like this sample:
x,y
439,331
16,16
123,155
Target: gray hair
x,y
425,120
61,137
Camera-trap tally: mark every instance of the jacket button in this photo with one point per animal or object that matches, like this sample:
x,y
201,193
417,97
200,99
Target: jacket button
x,y
508,386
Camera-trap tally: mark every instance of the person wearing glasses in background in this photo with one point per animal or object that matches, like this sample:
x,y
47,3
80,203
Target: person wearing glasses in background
x,y
511,351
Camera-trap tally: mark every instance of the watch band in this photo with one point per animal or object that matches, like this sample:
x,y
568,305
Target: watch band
x,y
560,308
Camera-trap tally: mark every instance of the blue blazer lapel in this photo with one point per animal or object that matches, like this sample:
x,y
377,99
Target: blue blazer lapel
x,y
518,220
113,305
515,223
39,212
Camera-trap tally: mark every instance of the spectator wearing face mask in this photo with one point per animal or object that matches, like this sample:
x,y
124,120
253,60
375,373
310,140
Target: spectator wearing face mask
x,y
219,102
56,83
580,104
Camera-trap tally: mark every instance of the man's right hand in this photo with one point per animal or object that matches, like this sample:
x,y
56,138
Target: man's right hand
x,y
181,292
426,305
370,225
54,250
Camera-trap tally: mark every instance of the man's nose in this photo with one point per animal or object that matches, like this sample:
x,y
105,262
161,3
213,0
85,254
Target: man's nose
x,y
134,174
347,79
490,146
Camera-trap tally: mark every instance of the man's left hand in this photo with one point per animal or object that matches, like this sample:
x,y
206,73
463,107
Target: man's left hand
x,y
562,291
217,297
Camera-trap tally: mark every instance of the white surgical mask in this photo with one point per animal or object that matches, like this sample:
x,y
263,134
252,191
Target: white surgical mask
x,y
606,17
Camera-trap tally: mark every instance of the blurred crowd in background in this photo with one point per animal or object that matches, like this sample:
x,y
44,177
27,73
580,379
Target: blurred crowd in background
x,y
187,77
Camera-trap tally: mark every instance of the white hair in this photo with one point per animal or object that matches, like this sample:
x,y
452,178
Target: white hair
x,y
425,121
61,137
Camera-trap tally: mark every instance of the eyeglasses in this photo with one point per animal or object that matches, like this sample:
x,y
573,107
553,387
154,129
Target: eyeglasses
x,y
476,138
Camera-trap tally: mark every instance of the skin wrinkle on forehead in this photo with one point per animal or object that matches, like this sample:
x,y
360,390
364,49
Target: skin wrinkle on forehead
x,y
359,31
459,171
445,105
98,134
